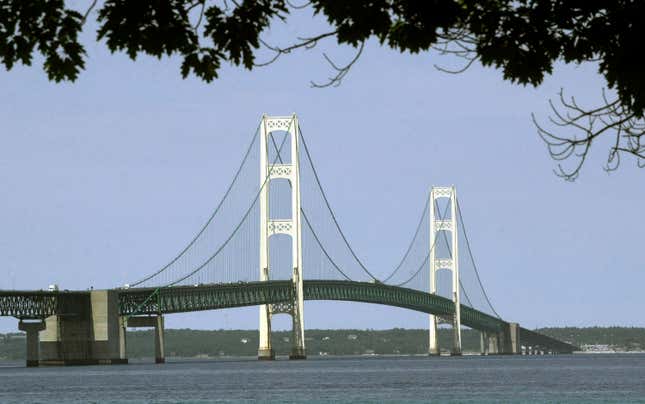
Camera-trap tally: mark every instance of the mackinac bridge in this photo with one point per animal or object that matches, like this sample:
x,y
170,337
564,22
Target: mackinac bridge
x,y
274,241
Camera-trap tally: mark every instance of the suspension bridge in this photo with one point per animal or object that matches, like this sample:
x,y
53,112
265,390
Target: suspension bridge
x,y
274,241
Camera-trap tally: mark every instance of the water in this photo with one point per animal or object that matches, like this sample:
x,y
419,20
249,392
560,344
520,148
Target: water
x,y
566,378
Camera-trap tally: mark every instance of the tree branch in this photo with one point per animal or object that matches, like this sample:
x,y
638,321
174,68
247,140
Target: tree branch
x,y
306,43
587,125
341,71
88,11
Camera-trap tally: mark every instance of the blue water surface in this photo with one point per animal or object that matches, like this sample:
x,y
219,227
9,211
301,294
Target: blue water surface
x,y
564,378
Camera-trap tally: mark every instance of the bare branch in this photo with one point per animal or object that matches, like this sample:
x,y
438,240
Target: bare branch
x,y
298,7
456,42
460,70
341,71
201,16
611,116
89,10
195,4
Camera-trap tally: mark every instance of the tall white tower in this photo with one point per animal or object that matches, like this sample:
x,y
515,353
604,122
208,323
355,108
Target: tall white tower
x,y
270,170
450,263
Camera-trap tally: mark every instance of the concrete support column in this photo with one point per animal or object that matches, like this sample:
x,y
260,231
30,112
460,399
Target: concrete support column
x,y
123,324
501,343
160,355
298,315
514,339
33,349
456,334
433,346
493,344
298,348
155,322
483,342
265,351
509,340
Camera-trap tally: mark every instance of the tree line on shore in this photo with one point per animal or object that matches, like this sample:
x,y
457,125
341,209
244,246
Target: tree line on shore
x,y
397,341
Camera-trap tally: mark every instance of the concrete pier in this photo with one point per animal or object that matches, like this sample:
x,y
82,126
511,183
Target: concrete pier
x,y
86,332
505,342
493,345
157,323
297,353
32,329
123,324
160,354
483,343
509,340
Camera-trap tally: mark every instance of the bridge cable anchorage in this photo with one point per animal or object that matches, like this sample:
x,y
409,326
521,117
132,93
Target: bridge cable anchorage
x,y
212,216
472,258
425,261
331,211
246,215
416,234
304,216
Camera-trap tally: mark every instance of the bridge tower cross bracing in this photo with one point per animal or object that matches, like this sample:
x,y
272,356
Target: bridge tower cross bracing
x,y
270,170
450,263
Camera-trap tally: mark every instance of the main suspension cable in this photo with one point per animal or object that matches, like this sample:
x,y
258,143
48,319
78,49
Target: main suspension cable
x,y
331,211
472,258
434,243
324,250
416,234
445,238
210,219
246,214
304,216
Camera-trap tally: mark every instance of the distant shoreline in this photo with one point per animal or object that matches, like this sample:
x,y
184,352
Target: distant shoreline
x,y
195,344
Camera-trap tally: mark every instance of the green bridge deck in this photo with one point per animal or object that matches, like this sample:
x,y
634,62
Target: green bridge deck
x,y
180,299
208,297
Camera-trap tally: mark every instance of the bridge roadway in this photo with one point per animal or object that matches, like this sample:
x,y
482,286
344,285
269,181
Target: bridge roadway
x,y
181,299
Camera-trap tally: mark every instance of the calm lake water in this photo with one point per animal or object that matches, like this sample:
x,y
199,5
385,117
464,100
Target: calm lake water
x,y
566,378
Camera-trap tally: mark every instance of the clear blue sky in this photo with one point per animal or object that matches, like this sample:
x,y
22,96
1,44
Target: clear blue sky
x,y
102,180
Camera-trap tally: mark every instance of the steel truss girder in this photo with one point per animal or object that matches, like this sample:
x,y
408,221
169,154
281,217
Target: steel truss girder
x,y
40,304
179,299
218,296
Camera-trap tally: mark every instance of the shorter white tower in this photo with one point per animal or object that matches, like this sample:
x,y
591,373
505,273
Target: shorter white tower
x,y
450,263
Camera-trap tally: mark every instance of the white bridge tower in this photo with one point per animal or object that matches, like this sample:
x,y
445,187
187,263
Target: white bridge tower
x,y
270,170
450,263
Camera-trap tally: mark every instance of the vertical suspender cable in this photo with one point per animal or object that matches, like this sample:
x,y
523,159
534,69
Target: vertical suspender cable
x,y
472,258
210,219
